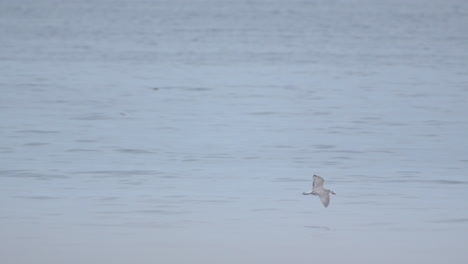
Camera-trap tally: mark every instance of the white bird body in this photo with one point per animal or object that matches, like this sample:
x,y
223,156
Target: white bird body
x,y
317,189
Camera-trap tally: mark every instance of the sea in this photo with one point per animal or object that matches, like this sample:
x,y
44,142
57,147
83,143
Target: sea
x,y
185,131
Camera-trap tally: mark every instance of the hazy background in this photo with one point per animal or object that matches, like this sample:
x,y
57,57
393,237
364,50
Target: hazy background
x,y
186,131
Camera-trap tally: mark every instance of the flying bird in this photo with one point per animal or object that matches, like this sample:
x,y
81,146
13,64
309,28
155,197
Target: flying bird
x,y
317,189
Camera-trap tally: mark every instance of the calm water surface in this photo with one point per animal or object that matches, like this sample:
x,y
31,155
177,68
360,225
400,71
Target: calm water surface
x,y
177,131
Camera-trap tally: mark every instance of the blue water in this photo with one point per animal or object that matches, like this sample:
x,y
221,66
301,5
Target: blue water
x,y
176,131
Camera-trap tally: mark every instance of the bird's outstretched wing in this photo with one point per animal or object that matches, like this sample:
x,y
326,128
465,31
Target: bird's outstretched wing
x,y
324,196
318,182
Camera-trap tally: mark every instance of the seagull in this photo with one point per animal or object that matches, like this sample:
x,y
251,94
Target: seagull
x,y
317,189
